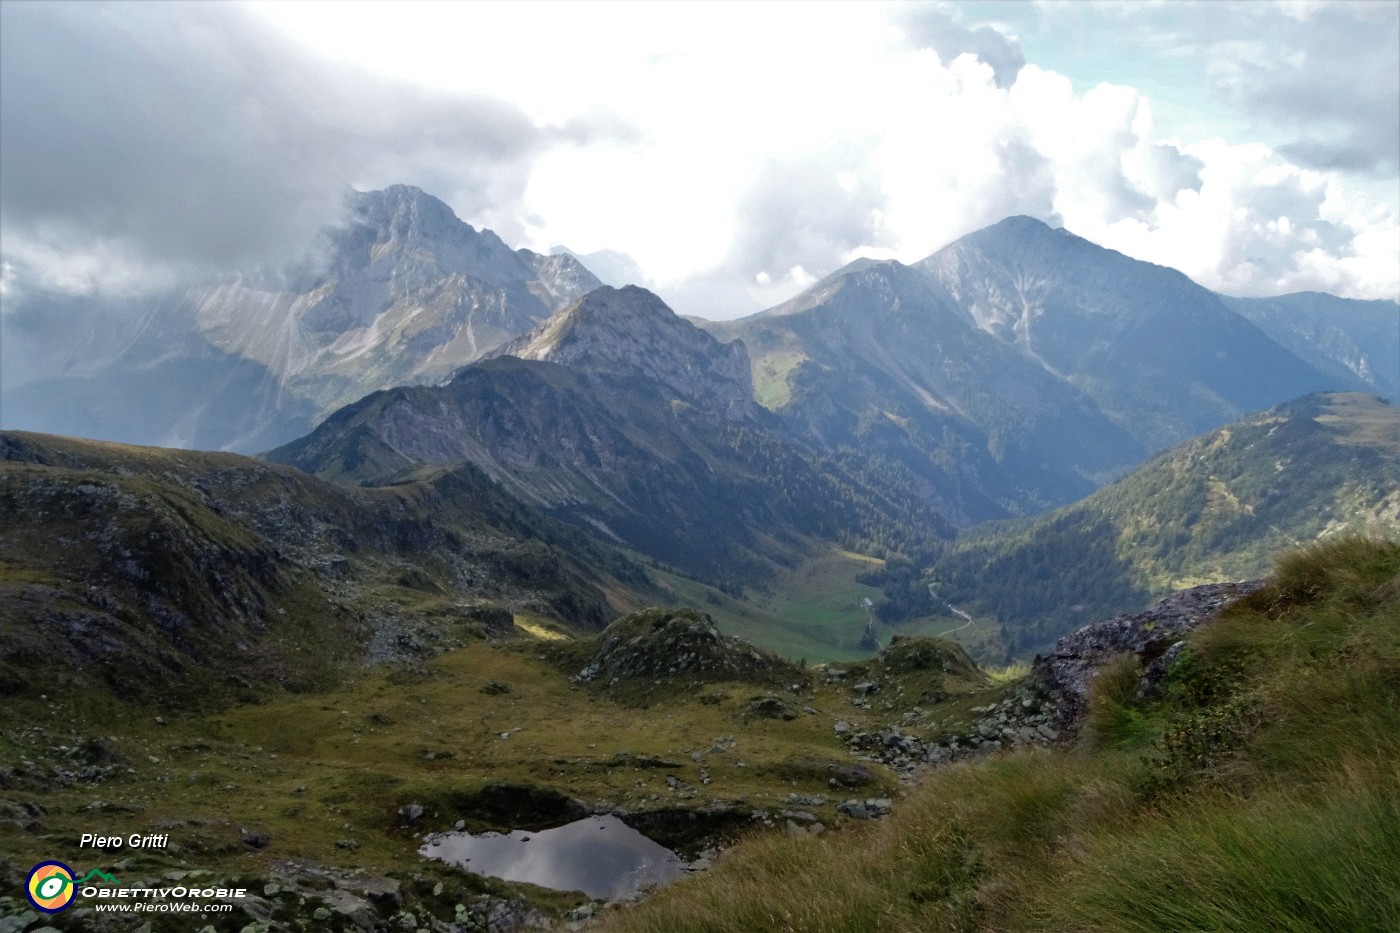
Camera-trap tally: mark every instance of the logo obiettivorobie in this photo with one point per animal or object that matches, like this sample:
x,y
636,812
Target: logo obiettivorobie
x,y
50,887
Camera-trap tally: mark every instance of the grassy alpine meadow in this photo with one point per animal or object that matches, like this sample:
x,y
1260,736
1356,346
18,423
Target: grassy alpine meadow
x,y
317,768
815,609
1258,789
1259,792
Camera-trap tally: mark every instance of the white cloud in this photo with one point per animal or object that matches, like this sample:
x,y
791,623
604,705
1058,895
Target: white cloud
x,y
144,143
737,152
945,31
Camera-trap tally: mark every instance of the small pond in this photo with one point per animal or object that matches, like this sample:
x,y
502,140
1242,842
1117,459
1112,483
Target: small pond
x,y
601,856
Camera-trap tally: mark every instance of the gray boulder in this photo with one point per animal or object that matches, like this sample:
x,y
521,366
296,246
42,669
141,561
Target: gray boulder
x,y
1154,637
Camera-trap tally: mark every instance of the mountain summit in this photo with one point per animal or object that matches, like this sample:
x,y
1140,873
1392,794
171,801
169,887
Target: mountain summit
x,y
1161,356
613,331
623,418
417,239
404,293
880,359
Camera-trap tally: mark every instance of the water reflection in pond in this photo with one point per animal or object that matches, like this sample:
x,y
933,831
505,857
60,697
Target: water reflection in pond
x,y
601,856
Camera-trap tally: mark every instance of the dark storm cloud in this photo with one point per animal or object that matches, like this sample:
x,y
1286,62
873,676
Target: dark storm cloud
x,y
193,138
930,27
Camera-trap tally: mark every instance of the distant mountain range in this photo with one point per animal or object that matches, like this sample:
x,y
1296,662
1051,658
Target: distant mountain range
x,y
883,409
404,293
628,420
1022,366
1339,336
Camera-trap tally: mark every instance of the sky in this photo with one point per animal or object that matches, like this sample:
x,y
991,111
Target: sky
x,y
733,153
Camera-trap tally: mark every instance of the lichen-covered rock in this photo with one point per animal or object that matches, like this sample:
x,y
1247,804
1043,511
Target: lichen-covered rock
x,y
770,707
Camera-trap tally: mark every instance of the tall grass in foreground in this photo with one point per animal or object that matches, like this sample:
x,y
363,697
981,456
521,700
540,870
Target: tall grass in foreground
x,y
1276,863
1261,793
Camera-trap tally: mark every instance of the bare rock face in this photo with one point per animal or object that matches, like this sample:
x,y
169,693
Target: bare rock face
x,y
411,294
1155,637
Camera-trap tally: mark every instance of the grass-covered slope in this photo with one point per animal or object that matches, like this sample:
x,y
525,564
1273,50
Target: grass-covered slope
x,y
1209,510
618,455
343,783
1258,791
189,577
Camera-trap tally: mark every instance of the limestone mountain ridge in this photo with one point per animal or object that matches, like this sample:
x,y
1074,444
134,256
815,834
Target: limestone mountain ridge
x,y
402,292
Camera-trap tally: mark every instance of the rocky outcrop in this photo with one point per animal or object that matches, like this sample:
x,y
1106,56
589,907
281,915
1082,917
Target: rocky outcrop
x,y
1020,720
1049,705
659,643
1154,637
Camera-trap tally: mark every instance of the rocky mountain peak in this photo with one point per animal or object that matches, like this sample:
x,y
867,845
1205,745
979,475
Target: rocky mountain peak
x,y
1035,254
622,331
405,226
404,206
1129,332
867,290
403,292
1019,243
1024,225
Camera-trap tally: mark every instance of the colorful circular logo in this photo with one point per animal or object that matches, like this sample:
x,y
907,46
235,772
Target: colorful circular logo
x,y
50,887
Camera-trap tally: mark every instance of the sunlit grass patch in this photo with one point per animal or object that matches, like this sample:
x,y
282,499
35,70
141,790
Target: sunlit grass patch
x,y
538,628
1007,673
